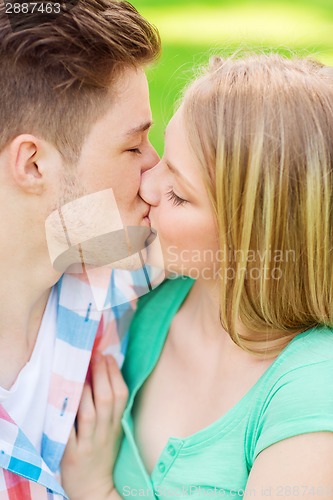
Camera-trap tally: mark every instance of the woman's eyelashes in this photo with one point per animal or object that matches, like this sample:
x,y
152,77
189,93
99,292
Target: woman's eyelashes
x,y
176,200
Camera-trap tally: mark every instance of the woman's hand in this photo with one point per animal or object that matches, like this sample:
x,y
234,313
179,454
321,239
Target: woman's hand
x,y
89,458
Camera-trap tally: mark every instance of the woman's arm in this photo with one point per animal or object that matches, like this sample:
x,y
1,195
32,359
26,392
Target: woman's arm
x,y
89,458
299,467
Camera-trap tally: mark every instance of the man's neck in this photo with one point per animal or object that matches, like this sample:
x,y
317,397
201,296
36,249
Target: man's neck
x,y
23,296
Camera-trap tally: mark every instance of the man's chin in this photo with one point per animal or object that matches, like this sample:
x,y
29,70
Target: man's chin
x,y
131,263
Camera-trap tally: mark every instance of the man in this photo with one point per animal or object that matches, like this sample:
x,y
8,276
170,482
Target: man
x,y
74,120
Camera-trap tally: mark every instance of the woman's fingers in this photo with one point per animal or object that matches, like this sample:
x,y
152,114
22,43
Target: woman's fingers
x,y
86,416
102,393
98,429
119,390
110,395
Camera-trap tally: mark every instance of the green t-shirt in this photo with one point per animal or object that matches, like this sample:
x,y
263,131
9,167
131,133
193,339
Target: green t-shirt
x,y
293,396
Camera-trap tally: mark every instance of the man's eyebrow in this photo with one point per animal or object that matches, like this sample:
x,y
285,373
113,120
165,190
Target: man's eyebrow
x,y
140,128
177,172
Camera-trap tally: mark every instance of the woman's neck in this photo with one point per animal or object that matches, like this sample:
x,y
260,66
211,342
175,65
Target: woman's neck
x,y
201,309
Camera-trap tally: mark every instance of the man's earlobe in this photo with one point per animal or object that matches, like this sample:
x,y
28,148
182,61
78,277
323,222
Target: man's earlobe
x,y
24,154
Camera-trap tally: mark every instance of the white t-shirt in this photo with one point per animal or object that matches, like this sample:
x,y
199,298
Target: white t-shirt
x,y
26,400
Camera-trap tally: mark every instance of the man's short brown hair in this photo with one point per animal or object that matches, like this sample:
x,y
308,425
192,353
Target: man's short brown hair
x,y
56,74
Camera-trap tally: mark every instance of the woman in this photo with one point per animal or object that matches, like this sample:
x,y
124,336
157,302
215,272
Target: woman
x,y
230,377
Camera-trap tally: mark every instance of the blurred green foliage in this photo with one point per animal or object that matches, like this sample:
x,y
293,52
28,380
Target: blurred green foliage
x,y
192,30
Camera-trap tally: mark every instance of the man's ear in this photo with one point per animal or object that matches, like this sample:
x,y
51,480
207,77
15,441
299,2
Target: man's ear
x,y
25,153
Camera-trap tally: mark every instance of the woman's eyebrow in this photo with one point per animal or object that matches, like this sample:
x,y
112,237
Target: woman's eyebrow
x,y
178,173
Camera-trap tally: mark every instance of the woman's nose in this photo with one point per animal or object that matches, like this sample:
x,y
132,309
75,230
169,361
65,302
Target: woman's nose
x,y
150,185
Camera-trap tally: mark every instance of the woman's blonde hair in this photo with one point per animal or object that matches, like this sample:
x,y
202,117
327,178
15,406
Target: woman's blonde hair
x,y
262,129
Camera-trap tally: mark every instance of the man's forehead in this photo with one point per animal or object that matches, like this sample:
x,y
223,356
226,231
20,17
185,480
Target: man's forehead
x,y
129,112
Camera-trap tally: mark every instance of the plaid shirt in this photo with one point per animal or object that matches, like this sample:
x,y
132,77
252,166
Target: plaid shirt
x,y
25,474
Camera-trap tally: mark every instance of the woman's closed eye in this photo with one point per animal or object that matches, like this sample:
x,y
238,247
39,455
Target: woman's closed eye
x,y
177,201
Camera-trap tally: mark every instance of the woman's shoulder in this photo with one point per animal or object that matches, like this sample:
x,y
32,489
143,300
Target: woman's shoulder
x,y
303,363
310,347
296,394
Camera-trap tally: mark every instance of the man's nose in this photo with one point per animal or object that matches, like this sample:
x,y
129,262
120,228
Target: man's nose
x,y
151,160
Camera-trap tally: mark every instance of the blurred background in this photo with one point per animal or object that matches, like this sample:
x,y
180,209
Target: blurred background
x,y
192,30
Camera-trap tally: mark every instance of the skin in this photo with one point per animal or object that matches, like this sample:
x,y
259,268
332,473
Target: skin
x,y
32,185
180,210
117,150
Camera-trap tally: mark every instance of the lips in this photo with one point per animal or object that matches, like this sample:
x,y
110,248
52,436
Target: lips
x,y
146,215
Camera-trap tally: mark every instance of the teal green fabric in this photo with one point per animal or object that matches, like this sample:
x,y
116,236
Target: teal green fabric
x,y
293,396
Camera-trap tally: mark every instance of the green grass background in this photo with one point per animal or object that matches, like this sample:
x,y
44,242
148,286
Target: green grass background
x,y
192,30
